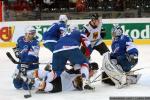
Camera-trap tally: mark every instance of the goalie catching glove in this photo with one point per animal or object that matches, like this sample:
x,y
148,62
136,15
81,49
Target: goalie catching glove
x,y
133,59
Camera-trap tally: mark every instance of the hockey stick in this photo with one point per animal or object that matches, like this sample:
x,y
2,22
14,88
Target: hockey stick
x,y
96,78
28,63
16,62
109,77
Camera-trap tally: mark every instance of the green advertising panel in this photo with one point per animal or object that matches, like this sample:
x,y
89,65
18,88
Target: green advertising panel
x,y
135,30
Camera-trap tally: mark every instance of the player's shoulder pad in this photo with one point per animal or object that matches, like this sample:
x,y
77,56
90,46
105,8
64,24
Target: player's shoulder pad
x,y
127,38
20,38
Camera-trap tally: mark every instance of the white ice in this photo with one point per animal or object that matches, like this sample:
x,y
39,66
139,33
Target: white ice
x,y
102,91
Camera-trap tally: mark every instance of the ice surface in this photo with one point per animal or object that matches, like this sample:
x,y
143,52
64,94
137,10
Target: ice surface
x,y
102,91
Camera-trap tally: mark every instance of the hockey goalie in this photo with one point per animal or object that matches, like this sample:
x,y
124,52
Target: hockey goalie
x,y
117,65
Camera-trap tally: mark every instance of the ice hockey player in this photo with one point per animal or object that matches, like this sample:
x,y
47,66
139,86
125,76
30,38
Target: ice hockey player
x,y
66,82
27,50
95,33
54,32
118,64
67,49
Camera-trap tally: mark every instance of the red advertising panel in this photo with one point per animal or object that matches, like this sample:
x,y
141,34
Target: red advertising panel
x,y
0,11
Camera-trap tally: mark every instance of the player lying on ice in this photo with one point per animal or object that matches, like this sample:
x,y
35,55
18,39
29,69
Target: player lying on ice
x,y
27,50
117,65
45,83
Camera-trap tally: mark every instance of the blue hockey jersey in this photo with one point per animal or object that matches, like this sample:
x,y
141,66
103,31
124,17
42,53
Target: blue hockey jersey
x,y
123,45
54,32
28,51
73,40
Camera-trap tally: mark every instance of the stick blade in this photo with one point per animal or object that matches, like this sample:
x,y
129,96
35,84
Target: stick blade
x,y
27,96
11,58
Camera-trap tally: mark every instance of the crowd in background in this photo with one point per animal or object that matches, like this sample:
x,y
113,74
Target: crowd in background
x,y
79,5
42,9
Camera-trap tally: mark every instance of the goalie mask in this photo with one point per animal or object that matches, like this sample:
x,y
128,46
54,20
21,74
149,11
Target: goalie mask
x,y
116,31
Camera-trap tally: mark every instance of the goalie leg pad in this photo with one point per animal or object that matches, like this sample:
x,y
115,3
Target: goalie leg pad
x,y
133,79
115,72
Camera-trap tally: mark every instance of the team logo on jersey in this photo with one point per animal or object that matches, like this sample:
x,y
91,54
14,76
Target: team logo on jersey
x,y
95,35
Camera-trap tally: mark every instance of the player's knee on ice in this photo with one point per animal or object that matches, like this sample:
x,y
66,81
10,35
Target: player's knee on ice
x,y
17,83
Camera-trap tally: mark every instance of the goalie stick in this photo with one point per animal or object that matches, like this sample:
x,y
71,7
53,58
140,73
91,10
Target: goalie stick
x,y
95,80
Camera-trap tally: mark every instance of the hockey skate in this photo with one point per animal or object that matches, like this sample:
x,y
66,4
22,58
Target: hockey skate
x,y
86,84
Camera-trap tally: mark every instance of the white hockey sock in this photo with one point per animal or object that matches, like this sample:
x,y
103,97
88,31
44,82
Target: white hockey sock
x,y
51,76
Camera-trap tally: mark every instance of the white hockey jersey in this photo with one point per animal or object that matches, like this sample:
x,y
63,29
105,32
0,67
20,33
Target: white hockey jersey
x,y
93,34
66,79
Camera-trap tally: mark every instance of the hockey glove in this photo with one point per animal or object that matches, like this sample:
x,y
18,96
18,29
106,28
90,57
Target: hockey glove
x,y
23,69
16,51
103,33
93,66
133,59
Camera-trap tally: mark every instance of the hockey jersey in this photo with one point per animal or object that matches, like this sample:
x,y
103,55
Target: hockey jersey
x,y
54,32
123,45
93,34
28,51
71,41
66,80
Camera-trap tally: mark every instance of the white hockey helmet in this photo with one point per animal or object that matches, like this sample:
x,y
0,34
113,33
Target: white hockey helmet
x,y
116,30
73,27
30,30
63,18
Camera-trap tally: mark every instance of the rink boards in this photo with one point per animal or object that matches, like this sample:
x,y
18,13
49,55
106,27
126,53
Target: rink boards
x,y
137,28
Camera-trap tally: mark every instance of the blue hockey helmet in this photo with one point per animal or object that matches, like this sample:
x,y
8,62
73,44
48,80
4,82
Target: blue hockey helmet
x,y
63,18
73,27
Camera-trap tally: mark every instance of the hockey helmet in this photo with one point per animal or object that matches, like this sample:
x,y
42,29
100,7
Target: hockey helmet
x,y
73,28
63,18
30,30
95,16
116,30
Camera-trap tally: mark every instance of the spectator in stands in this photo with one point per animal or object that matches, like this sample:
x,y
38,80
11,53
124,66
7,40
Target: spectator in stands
x,y
119,5
80,5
